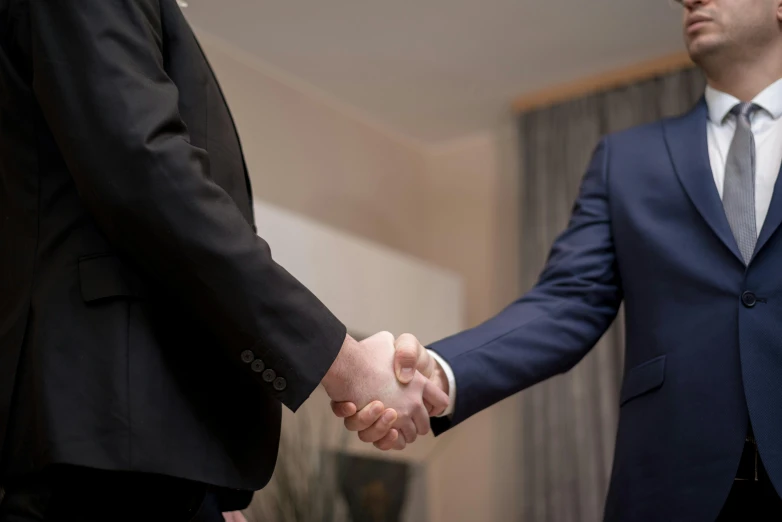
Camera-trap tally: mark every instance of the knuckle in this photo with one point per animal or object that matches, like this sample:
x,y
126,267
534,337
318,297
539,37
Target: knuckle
x,y
388,335
406,358
390,422
404,349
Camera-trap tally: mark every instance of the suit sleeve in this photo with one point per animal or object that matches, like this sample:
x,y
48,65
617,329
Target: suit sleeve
x,y
99,78
552,327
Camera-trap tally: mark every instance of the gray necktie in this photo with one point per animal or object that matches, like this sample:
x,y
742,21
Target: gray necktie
x,y
738,195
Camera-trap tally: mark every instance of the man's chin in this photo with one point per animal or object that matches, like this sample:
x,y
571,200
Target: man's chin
x,y
703,47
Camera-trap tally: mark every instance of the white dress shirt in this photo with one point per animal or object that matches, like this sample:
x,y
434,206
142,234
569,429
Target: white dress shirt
x,y
766,128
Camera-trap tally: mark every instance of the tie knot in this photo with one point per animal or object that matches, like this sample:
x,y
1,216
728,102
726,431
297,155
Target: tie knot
x,y
744,110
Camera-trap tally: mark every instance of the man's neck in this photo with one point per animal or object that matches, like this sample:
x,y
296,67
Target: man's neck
x,y
744,78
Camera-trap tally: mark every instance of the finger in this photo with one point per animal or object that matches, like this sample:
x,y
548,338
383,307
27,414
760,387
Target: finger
x,y
409,356
421,420
343,409
407,428
388,442
436,397
432,411
380,428
366,417
392,442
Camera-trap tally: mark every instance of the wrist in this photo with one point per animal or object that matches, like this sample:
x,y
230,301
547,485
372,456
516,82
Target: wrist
x,y
339,372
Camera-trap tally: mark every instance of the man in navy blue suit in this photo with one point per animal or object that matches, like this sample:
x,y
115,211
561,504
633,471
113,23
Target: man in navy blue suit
x,y
680,220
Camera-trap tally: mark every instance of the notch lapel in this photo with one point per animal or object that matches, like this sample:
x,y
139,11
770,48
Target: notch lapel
x,y
688,147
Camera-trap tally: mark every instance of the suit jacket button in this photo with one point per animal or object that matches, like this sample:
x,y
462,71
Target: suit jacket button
x,y
258,366
269,375
248,356
749,299
279,384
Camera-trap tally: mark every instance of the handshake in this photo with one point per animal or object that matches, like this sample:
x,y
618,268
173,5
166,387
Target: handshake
x,y
386,389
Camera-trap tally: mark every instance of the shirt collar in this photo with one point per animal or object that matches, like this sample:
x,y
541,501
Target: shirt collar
x,y
720,103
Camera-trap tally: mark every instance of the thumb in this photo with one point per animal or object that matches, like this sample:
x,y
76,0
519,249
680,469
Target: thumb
x,y
408,351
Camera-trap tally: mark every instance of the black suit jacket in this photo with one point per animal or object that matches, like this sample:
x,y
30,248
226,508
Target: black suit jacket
x,y
143,324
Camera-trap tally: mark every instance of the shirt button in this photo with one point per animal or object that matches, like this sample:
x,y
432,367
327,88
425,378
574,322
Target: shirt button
x,y
258,366
269,375
749,299
279,384
248,356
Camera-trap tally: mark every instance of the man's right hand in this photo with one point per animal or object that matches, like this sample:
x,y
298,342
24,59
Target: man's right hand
x,y
410,355
372,421
363,373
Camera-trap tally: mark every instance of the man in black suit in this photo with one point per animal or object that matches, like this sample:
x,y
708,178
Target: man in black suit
x,y
147,338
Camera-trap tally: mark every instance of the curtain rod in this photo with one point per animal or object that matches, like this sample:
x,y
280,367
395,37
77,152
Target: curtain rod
x,y
602,82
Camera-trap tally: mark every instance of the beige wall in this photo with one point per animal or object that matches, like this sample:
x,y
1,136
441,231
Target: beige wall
x,y
471,216
470,226
308,157
453,205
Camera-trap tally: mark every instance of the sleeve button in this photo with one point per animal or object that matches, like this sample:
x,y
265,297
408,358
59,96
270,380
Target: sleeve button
x,y
279,384
258,366
269,375
248,356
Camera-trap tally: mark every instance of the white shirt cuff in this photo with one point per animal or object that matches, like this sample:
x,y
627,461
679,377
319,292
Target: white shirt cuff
x,y
451,383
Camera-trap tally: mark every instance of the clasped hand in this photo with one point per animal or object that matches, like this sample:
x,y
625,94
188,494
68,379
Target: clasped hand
x,y
383,392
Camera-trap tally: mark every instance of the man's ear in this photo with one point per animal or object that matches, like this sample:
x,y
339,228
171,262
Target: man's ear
x,y
779,10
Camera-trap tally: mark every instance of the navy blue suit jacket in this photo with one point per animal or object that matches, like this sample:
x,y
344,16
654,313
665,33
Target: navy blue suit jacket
x,y
704,332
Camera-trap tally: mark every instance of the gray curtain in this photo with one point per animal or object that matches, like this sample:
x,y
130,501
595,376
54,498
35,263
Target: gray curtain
x,y
570,421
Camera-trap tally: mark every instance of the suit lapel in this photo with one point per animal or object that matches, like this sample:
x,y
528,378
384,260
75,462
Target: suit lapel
x,y
689,149
774,216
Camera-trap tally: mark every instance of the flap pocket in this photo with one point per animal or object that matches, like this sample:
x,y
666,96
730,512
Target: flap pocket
x,y
643,378
104,276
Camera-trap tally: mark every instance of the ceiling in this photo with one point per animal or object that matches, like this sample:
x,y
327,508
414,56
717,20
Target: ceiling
x,y
436,70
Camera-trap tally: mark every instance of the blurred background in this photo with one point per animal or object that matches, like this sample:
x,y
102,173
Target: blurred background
x,y
412,161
